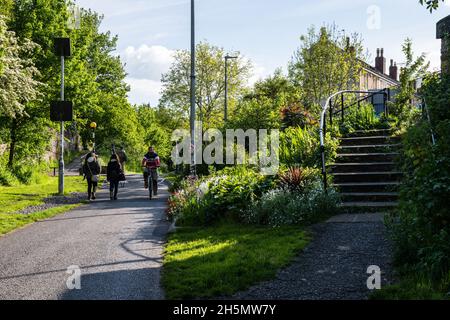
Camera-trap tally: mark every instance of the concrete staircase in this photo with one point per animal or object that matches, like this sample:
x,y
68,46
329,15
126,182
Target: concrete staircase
x,y
365,173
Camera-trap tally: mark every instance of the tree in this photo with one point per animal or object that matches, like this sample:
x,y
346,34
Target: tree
x,y
327,61
431,4
415,68
210,69
261,107
17,84
156,132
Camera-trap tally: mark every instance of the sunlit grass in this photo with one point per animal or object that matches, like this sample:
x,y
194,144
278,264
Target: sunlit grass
x,y
10,222
13,199
216,261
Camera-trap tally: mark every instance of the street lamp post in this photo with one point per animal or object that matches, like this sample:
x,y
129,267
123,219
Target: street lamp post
x,y
225,111
192,109
93,126
61,154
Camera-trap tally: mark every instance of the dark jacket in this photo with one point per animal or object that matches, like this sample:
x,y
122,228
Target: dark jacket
x,y
91,168
113,171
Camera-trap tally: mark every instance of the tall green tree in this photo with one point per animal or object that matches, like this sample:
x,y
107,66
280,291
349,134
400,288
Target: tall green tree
x,y
261,108
39,22
17,84
415,68
155,131
210,69
327,61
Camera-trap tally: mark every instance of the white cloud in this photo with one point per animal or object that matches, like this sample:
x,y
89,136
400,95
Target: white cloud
x,y
258,73
144,66
144,91
147,62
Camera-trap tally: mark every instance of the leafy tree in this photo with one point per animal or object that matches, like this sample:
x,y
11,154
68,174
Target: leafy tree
x,y
17,83
35,22
210,69
326,62
155,131
261,108
431,4
94,79
415,68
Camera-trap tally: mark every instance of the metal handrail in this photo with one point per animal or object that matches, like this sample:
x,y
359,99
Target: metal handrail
x,y
373,93
323,121
427,113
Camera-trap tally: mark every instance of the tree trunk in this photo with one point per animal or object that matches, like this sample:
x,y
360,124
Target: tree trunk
x,y
12,145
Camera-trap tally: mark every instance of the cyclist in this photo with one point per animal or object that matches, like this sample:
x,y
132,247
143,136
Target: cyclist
x,y
151,163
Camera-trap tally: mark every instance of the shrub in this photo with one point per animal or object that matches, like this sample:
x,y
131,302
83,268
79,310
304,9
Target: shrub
x,y
278,208
6,177
296,179
421,228
362,118
222,195
301,147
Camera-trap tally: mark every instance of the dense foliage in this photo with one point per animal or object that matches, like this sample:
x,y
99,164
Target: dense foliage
x,y
422,233
327,61
210,89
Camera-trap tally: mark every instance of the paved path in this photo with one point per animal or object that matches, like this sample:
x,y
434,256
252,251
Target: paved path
x,y
118,246
334,265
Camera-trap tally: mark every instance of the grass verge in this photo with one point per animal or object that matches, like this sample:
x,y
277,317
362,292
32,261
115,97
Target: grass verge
x,y
412,288
9,222
221,260
13,199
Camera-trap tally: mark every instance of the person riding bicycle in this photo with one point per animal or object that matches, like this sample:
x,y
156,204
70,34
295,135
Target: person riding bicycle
x,y
151,163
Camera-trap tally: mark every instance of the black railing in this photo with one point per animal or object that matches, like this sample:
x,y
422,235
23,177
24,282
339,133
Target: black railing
x,y
339,109
426,117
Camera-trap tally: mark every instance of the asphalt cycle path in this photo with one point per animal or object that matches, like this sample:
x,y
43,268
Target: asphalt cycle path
x,y
101,250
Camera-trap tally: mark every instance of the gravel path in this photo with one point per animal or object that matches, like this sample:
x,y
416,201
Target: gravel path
x,y
55,201
333,266
117,245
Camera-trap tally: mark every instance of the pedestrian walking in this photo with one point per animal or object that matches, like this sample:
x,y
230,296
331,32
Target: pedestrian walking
x,y
114,174
91,171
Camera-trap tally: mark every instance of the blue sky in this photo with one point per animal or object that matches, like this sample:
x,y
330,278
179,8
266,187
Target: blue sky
x,y
265,31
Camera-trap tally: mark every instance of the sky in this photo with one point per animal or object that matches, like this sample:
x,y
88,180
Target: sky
x,y
265,31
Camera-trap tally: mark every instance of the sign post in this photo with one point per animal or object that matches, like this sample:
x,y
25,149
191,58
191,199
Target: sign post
x,y
62,49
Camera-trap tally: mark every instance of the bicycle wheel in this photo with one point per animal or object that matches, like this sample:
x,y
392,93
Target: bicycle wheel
x,y
150,186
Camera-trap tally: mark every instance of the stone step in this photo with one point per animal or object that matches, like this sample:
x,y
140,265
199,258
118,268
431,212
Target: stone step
x,y
389,186
368,207
361,217
369,196
375,148
373,132
381,176
366,157
368,140
362,167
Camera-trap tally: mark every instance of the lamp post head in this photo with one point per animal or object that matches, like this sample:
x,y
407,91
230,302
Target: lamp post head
x,y
227,57
93,125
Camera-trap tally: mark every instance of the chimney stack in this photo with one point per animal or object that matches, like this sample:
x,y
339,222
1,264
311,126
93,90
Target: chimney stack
x,y
380,61
393,71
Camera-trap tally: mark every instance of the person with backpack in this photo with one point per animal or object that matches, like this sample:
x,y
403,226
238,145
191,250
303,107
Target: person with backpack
x,y
91,171
114,174
122,157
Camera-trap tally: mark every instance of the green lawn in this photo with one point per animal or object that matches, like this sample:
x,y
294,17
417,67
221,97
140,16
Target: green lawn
x,y
215,261
13,199
16,198
10,222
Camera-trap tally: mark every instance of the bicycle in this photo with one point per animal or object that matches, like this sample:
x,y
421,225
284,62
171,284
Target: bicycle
x,y
152,182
